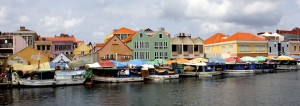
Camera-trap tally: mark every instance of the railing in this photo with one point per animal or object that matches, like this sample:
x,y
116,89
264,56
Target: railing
x,y
7,45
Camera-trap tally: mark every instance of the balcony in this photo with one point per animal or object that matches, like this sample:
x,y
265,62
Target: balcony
x,y
7,45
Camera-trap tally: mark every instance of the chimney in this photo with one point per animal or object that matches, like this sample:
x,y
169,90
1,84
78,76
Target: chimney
x,y
22,27
163,29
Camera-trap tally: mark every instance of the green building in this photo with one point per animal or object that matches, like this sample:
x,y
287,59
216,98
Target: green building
x,y
147,44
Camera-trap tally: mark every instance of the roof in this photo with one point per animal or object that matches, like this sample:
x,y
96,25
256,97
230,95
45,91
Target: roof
x,y
216,38
124,30
73,39
106,63
242,36
110,40
99,44
129,38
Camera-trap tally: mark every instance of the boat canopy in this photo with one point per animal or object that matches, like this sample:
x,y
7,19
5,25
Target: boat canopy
x,y
118,64
69,72
31,68
94,65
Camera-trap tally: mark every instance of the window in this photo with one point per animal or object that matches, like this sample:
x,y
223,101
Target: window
x,y
200,48
270,49
141,55
174,49
196,48
156,45
141,35
295,48
147,55
38,47
48,47
166,55
185,48
160,36
287,45
136,55
81,52
244,48
156,55
43,47
230,48
274,45
223,48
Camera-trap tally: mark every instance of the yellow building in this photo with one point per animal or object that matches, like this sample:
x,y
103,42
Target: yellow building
x,y
82,49
31,56
237,45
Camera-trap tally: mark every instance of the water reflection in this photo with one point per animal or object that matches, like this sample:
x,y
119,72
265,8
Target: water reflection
x,y
262,89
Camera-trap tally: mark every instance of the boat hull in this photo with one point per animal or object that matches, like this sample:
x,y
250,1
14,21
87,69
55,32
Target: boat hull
x,y
25,82
209,74
162,77
117,80
196,74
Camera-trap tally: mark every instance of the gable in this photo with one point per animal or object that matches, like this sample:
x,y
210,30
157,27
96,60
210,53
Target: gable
x,y
30,55
138,37
114,45
198,41
82,47
176,40
164,36
61,58
216,38
240,36
187,40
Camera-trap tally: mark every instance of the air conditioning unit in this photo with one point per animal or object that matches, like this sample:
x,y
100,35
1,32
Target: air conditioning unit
x,y
103,58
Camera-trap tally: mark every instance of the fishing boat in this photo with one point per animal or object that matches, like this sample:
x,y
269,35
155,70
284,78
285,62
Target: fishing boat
x,y
200,69
161,73
239,68
286,63
116,75
52,78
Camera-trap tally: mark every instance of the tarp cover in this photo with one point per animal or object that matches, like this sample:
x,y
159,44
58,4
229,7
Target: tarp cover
x,y
70,72
94,65
31,68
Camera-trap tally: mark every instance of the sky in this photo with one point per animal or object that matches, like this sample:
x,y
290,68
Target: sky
x,y
91,20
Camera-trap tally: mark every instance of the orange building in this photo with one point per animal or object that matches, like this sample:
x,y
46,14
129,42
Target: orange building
x,y
114,49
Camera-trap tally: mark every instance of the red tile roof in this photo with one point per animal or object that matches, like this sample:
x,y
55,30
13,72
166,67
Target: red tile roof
x,y
59,39
216,38
295,31
106,63
129,38
242,36
124,30
99,44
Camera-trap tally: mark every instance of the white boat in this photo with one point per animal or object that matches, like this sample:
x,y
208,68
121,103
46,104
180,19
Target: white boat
x,y
201,70
115,75
66,77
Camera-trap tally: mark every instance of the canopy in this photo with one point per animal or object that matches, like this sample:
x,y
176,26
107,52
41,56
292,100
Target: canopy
x,y
233,59
198,60
216,60
147,66
261,58
136,62
271,57
31,68
118,64
196,64
79,63
295,57
248,59
178,60
69,72
156,61
106,63
284,58
94,65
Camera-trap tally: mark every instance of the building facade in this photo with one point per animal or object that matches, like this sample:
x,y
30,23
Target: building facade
x,y
183,46
81,49
63,43
31,55
114,49
237,45
29,36
150,46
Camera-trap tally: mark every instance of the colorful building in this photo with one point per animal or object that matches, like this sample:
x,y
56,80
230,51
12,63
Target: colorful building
x,y
63,43
121,33
28,35
183,46
31,55
237,45
149,45
81,49
114,49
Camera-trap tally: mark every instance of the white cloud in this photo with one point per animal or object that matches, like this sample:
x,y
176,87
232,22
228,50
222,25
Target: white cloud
x,y
207,8
71,23
24,19
259,7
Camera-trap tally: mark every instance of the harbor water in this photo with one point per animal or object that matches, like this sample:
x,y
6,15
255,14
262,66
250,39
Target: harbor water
x,y
243,90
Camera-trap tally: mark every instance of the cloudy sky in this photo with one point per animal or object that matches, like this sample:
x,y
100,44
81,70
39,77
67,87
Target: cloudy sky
x,y
91,20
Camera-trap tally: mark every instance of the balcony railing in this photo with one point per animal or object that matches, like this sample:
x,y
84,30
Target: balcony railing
x,y
7,45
